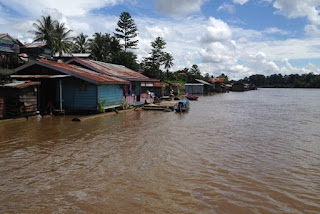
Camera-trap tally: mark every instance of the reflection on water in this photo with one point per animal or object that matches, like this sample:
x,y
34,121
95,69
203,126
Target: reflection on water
x,y
253,152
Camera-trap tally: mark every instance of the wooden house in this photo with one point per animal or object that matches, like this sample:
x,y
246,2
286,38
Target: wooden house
x,y
9,49
218,84
36,50
132,91
72,88
18,99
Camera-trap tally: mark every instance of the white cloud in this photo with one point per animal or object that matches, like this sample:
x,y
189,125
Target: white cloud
x,y
68,8
178,7
241,2
217,30
312,30
227,7
298,8
274,30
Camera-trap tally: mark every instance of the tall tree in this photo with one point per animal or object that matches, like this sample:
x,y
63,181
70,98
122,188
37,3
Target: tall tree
x,y
168,62
127,31
61,42
81,44
156,59
44,30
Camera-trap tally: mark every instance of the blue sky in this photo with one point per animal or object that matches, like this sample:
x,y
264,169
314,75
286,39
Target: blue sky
x,y
235,37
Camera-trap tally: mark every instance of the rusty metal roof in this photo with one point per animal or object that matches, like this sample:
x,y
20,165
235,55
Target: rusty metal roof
x,y
75,71
19,84
112,70
216,80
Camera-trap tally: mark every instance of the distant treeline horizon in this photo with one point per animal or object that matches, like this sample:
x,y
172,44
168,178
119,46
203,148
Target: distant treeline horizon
x,y
309,80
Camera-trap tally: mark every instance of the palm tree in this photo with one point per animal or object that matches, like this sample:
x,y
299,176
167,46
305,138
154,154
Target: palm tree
x,y
81,44
44,30
61,43
168,62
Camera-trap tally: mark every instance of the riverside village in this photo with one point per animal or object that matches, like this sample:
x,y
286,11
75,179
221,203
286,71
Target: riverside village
x,y
37,80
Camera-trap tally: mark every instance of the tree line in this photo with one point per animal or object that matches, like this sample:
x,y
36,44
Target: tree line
x,y
309,80
115,48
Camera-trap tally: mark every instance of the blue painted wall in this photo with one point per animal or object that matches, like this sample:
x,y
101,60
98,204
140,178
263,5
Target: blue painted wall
x,y
112,93
79,95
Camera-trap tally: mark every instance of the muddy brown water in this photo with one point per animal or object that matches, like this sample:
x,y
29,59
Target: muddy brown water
x,y
252,152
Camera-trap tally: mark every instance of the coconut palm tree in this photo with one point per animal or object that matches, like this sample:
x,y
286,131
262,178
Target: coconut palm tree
x,y
61,42
168,62
81,43
44,30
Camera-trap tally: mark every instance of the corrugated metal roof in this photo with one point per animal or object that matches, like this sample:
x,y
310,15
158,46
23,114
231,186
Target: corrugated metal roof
x,y
80,55
19,84
203,82
35,45
111,69
76,71
39,76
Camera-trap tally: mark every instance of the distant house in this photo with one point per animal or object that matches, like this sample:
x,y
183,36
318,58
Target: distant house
x,y
238,87
72,88
202,87
172,87
154,87
35,50
9,50
133,91
194,88
218,84
18,99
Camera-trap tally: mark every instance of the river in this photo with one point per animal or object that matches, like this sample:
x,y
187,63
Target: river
x,y
251,152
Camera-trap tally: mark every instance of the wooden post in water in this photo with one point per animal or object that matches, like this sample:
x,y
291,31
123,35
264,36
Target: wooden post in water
x,y
60,91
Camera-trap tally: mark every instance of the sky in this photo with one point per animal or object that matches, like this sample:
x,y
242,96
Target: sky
x,y
239,38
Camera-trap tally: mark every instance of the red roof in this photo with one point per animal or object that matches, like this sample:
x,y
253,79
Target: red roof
x,y
159,84
216,80
111,69
75,71
20,84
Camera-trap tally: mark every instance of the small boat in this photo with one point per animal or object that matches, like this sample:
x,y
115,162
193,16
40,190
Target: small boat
x,y
191,97
182,106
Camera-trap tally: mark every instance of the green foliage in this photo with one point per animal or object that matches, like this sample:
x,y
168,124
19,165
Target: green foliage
x,y
288,81
103,46
127,59
44,30
127,31
61,43
152,64
126,105
55,34
225,77
102,102
81,43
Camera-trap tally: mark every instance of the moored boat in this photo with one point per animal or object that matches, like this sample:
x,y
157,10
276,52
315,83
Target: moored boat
x,y
191,97
182,106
